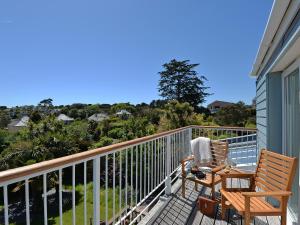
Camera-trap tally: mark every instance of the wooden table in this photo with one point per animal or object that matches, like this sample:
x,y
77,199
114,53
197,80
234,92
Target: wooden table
x,y
234,173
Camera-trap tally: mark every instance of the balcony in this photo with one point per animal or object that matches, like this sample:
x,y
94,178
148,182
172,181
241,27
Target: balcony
x,y
131,182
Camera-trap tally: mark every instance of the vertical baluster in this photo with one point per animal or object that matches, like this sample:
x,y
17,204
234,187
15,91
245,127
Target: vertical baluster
x,y
148,166
45,199
152,165
131,179
120,186
126,180
114,186
171,152
73,196
5,196
168,166
158,159
163,161
141,174
96,190
60,196
136,174
144,166
182,150
155,161
106,189
27,202
84,193
238,150
176,150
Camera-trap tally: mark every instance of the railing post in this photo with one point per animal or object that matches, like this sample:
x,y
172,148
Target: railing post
x,y
96,190
189,147
168,166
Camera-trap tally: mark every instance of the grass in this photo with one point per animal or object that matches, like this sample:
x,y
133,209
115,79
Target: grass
x,y
67,215
53,217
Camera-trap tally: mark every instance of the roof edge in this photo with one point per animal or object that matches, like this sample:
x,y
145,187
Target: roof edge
x,y
275,17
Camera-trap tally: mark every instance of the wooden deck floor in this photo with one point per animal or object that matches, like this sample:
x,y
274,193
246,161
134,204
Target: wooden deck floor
x,y
181,210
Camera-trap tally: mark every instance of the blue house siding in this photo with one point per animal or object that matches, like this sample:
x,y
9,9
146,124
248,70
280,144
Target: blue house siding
x,y
261,113
274,116
268,112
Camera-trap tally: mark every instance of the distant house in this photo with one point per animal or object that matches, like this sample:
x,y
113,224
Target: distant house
x,y
217,105
66,119
18,124
123,113
98,117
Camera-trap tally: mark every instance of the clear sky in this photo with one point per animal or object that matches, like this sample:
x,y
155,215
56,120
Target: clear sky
x,y
96,51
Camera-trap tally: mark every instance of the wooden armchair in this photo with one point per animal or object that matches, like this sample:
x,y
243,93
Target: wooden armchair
x,y
219,154
273,178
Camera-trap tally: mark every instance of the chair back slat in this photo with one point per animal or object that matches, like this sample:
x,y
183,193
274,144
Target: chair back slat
x,y
219,151
275,172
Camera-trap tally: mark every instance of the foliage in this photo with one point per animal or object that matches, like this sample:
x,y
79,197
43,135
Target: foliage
x,y
104,141
176,115
35,116
5,139
4,118
179,81
46,103
235,115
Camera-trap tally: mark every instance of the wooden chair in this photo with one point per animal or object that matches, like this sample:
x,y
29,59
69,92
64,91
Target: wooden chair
x,y
273,178
219,154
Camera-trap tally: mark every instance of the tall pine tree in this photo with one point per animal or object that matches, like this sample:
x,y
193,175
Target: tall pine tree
x,y
179,81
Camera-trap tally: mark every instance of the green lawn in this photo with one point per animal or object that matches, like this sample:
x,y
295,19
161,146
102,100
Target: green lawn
x,y
67,215
53,217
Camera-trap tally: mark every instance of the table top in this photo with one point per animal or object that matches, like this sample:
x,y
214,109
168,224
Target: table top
x,y
233,171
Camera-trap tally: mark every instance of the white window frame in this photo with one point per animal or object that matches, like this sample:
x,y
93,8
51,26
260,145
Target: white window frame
x,y
294,66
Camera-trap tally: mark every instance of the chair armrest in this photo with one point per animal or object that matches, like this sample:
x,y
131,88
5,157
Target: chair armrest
x,y
266,194
189,158
218,168
183,161
236,175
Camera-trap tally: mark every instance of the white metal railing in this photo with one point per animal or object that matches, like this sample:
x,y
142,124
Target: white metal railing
x,y
241,142
117,184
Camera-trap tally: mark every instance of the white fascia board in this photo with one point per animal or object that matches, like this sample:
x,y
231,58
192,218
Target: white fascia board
x,y
275,17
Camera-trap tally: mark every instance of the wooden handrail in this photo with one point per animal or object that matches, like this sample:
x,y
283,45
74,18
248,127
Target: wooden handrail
x,y
224,127
58,162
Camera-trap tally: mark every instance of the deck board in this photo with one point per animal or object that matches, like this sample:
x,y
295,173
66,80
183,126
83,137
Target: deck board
x,y
180,211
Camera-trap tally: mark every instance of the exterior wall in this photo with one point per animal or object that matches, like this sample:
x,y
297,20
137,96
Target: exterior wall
x,y
269,112
274,116
261,112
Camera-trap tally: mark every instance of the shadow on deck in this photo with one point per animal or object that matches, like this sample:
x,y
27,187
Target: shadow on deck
x,y
181,210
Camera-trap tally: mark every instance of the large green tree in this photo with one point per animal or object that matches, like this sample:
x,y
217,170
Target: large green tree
x,y
237,114
180,81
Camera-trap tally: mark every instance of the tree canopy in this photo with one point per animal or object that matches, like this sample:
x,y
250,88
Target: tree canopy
x,y
235,115
180,81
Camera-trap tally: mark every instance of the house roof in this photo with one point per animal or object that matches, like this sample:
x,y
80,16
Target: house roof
x,y
63,117
20,123
217,102
98,117
276,15
122,112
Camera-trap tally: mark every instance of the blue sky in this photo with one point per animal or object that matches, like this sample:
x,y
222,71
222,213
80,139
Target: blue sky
x,y
111,51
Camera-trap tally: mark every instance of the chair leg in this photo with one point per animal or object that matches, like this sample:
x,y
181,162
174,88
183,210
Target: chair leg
x,y
183,187
284,210
247,218
213,193
283,219
223,209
